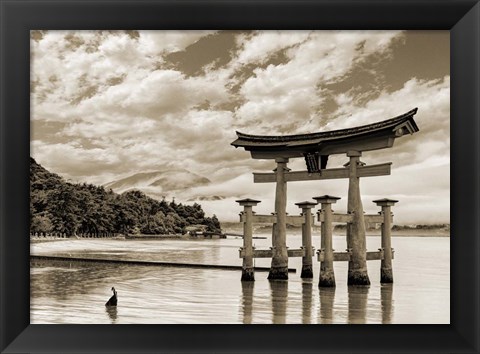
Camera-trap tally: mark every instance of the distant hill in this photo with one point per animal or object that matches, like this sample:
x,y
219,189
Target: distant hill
x,y
63,207
204,198
167,180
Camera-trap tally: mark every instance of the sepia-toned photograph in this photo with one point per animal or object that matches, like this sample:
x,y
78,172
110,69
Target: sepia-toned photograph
x,y
239,177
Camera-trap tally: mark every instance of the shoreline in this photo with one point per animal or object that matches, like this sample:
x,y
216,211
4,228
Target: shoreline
x,y
40,239
175,237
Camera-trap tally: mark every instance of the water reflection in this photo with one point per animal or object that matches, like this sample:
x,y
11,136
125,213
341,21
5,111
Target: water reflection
x,y
327,299
307,301
63,280
357,304
112,313
73,292
279,294
386,296
247,301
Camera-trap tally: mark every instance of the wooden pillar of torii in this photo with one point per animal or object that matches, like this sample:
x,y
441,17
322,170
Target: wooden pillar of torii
x,y
356,240
279,268
307,268
315,148
356,228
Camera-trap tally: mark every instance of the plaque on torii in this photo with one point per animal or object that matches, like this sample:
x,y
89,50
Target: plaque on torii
x,y
315,148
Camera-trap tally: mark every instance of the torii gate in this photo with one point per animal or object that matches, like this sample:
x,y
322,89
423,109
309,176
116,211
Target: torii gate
x,y
316,148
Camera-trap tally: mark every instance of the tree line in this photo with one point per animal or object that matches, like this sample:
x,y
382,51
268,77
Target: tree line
x,y
58,206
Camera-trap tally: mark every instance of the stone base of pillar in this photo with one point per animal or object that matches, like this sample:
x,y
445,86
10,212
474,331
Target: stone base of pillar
x,y
327,279
307,271
248,274
358,277
386,275
278,273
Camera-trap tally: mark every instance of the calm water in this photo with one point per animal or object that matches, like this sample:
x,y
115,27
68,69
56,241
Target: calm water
x,y
64,292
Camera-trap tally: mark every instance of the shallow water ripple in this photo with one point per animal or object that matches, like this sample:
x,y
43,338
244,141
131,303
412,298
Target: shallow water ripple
x,y
70,292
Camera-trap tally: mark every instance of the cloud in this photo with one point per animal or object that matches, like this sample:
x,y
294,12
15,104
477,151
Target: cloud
x,y
289,92
162,42
71,159
433,119
257,46
108,104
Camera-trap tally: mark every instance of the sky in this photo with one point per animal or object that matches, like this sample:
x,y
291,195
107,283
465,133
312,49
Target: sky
x,y
109,104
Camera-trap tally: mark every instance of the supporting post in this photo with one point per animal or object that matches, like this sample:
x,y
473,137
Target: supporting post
x,y
307,271
386,272
248,273
356,240
279,267
327,275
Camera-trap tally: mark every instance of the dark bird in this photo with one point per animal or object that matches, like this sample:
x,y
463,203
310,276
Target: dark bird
x,y
113,300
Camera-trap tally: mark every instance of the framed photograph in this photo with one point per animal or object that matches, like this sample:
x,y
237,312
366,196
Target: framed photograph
x,y
130,132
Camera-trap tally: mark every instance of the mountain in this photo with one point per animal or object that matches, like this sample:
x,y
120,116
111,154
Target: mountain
x,y
203,198
161,181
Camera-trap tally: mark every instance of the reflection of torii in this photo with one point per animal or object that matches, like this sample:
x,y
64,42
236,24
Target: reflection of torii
x,y
315,149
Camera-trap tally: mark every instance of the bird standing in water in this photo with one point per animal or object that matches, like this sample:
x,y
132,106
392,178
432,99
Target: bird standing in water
x,y
113,300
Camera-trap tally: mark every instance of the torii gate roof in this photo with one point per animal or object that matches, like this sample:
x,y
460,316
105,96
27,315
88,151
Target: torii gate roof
x,y
373,136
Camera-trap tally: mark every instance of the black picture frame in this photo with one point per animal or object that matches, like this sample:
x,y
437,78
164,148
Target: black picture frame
x,y
18,17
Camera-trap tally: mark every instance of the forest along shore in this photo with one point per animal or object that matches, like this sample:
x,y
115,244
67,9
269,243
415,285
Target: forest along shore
x,y
235,228
61,208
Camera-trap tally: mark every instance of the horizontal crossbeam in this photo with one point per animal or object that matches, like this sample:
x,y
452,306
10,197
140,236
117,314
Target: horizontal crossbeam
x,y
269,253
258,218
330,173
374,218
345,256
346,218
296,220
